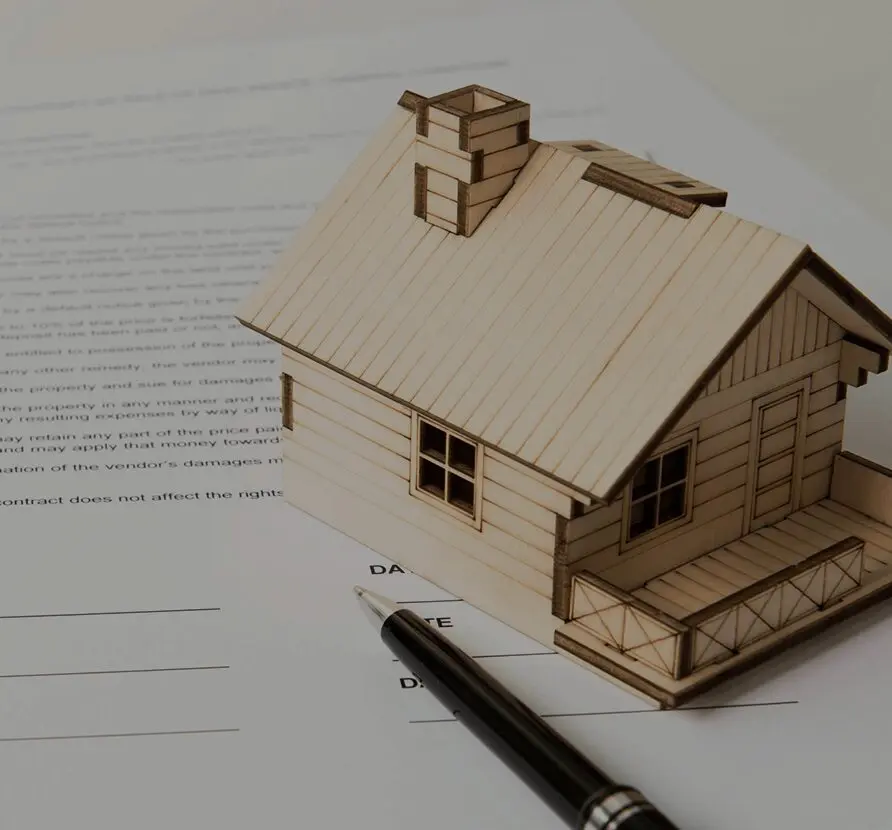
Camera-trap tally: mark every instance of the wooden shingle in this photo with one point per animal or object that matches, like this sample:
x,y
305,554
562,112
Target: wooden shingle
x,y
570,330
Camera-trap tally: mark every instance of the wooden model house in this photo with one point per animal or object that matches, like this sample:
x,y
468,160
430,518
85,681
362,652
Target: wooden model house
x,y
564,384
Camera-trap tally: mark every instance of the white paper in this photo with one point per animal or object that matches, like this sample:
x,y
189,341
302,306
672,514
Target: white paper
x,y
173,656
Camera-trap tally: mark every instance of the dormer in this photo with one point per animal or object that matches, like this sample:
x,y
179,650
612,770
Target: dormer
x,y
470,145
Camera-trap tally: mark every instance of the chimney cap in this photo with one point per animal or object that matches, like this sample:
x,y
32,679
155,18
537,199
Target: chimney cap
x,y
473,100
471,143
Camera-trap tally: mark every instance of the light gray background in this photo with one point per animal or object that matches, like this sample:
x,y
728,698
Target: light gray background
x,y
814,74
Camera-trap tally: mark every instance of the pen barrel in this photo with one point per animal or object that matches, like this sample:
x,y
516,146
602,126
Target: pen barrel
x,y
583,796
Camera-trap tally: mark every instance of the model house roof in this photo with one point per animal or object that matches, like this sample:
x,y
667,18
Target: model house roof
x,y
563,310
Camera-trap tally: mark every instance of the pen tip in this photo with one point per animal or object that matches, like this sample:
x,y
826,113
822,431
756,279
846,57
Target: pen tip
x,y
377,607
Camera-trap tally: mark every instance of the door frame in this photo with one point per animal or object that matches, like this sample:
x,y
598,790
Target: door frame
x,y
800,387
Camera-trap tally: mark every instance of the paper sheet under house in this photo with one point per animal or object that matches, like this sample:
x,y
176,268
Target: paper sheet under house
x,y
179,647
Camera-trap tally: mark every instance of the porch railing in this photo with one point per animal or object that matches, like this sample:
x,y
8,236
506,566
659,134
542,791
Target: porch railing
x,y
627,624
676,648
722,630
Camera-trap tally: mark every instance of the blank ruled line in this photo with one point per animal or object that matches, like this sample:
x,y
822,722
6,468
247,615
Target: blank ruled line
x,y
425,601
108,613
517,654
118,735
680,709
111,671
640,711
514,654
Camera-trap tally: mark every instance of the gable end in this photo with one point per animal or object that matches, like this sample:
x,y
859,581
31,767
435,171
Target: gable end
x,y
712,369
841,290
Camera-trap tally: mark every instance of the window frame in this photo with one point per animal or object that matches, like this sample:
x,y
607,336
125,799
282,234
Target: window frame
x,y
475,520
627,543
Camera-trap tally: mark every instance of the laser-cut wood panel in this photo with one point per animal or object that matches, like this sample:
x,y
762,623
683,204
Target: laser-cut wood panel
x,y
792,328
569,312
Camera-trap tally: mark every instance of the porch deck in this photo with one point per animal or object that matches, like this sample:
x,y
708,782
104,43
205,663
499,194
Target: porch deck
x,y
683,631
714,577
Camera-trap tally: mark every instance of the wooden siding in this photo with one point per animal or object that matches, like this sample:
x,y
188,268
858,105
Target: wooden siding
x,y
364,441
724,425
570,307
375,518
793,327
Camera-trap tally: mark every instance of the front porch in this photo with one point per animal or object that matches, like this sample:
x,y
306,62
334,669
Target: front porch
x,y
687,629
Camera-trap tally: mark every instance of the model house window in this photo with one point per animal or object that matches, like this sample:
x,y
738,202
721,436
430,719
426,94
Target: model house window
x,y
446,469
287,401
658,495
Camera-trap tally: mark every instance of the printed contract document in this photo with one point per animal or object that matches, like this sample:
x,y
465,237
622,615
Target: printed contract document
x,y
180,648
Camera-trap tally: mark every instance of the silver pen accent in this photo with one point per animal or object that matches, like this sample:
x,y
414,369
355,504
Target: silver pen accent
x,y
374,606
616,809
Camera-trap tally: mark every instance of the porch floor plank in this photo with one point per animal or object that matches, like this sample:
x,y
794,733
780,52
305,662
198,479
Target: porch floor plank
x,y
712,565
661,603
810,537
699,592
703,576
877,537
730,556
713,576
762,552
790,547
663,590
880,533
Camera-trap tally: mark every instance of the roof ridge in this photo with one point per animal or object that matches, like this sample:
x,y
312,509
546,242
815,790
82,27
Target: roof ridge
x,y
602,176
643,192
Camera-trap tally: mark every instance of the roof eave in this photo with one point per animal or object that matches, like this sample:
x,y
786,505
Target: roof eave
x,y
577,492
855,299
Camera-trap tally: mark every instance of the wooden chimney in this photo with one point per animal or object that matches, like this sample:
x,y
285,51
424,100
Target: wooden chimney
x,y
470,145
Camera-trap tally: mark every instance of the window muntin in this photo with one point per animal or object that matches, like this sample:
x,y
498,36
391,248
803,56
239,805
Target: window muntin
x,y
447,468
658,495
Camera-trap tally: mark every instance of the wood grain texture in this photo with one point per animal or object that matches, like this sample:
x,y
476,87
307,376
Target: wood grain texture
x,y
779,340
432,323
667,693
367,169
829,291
294,274
863,486
595,310
721,472
362,432
649,180
858,360
703,592
469,138
307,451
421,547
561,596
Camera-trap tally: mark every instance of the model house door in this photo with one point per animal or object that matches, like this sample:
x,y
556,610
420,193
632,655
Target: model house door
x,y
775,457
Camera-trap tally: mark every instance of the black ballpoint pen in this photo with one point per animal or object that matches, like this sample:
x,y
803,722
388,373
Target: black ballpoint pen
x,y
583,796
